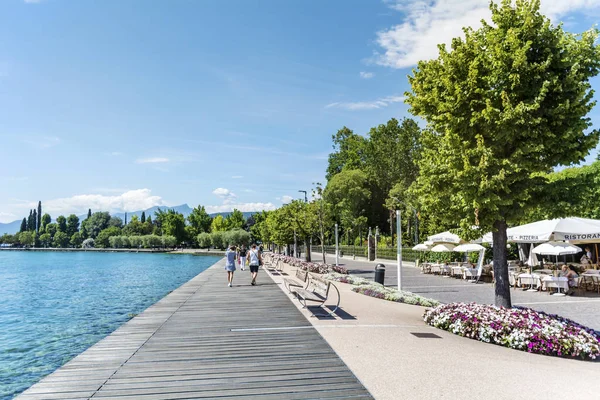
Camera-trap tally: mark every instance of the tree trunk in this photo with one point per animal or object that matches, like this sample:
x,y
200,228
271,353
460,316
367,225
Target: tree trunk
x,y
307,248
502,288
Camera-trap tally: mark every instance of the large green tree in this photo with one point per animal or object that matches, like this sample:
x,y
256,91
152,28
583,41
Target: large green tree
x,y
392,155
235,220
60,239
46,219
218,224
322,211
45,239
51,229
171,223
199,221
27,238
96,223
39,217
72,225
61,221
349,152
349,195
506,104
103,238
31,220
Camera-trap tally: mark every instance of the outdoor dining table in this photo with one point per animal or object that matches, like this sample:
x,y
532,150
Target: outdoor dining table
x,y
435,268
590,278
457,271
557,282
445,270
531,280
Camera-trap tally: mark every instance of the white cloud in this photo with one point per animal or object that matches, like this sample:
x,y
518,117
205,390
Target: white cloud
x,y
133,200
7,217
366,75
426,23
225,194
286,199
152,160
244,207
367,105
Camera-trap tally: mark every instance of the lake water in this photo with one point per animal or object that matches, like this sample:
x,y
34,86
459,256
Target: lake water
x,y
54,305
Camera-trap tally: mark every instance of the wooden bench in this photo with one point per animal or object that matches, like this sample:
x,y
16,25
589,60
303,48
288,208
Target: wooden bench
x,y
300,281
317,290
274,265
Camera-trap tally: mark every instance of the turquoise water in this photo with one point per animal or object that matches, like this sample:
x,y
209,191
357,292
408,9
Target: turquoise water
x,y
55,305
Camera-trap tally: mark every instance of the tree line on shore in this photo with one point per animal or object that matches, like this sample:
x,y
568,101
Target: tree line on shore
x,y
167,229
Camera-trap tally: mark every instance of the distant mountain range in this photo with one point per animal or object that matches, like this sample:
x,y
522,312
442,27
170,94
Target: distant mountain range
x,y
13,227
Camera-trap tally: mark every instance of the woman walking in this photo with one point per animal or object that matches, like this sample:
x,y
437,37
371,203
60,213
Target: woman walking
x,y
255,262
243,253
230,254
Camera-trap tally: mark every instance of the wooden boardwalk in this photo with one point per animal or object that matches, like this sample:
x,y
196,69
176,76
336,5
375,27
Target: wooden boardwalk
x,y
206,340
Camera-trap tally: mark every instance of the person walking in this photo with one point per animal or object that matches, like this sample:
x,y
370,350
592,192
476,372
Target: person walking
x,y
255,262
243,254
230,255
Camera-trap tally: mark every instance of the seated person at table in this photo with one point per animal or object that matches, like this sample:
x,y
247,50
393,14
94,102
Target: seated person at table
x,y
585,261
568,273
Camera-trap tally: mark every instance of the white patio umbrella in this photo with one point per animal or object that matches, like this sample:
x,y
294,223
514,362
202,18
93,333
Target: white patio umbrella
x,y
573,229
469,247
556,249
532,260
441,248
445,237
421,247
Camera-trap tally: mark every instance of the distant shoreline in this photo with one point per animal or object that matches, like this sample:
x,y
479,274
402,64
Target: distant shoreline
x,y
197,252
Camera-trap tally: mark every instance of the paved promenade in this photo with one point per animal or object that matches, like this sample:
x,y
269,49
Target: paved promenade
x,y
206,340
583,307
375,338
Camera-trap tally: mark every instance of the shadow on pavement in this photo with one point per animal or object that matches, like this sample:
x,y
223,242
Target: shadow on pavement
x,y
319,313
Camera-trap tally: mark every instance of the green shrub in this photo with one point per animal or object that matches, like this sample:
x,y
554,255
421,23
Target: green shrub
x,y
169,241
204,240
135,241
217,240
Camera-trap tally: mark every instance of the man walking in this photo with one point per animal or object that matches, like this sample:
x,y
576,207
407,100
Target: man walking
x,y
255,262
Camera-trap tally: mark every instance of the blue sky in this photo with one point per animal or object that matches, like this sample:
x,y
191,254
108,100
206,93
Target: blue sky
x,y
124,104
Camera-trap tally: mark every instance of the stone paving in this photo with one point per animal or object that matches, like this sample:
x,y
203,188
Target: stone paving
x,y
583,308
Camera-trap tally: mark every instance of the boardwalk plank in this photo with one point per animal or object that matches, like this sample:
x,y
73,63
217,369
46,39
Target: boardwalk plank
x,y
205,340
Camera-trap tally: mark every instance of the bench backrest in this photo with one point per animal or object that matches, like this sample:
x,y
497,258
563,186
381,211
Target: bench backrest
x,y
319,285
301,274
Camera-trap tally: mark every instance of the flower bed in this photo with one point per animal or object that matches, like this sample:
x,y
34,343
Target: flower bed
x,y
345,278
517,328
381,292
317,268
370,288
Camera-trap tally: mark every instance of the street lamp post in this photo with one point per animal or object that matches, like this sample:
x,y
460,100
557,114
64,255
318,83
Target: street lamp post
x,y
399,242
337,247
305,195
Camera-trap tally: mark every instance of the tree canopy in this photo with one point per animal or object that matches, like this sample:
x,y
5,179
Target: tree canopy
x,y
505,105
